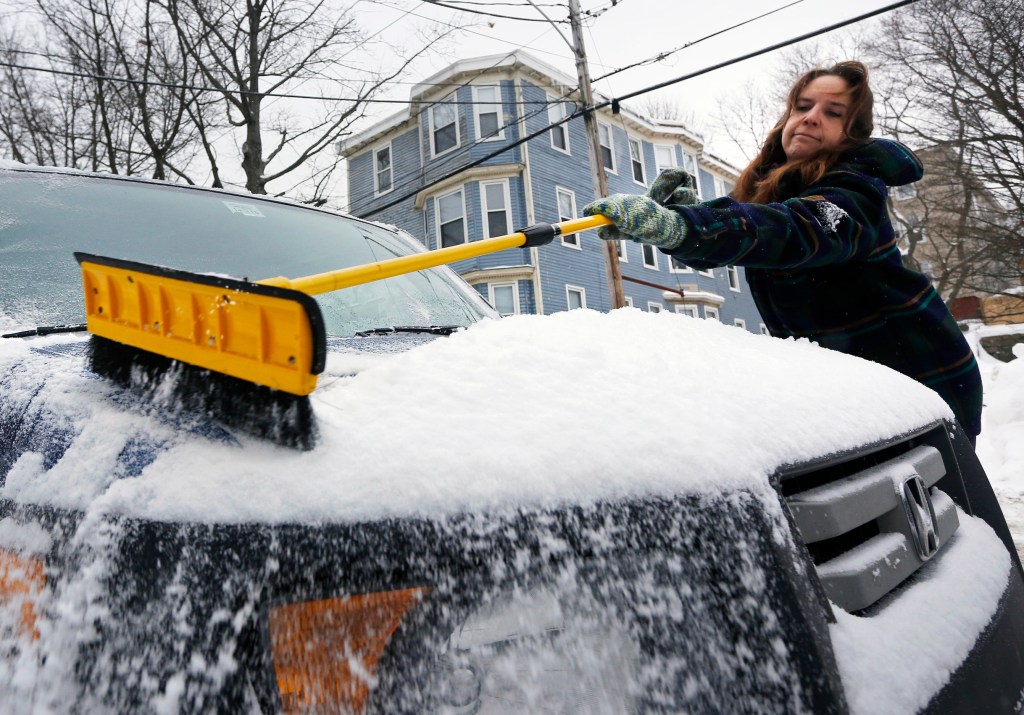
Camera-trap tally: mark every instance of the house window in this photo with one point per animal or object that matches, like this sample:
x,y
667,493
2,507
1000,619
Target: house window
x,y
488,112
382,169
710,313
764,329
604,136
650,256
653,307
497,214
559,134
629,301
576,297
710,273
690,310
734,278
504,297
677,266
690,164
740,323
620,249
451,219
444,126
664,158
567,211
636,160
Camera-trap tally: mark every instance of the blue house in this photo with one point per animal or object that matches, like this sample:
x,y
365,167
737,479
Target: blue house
x,y
443,171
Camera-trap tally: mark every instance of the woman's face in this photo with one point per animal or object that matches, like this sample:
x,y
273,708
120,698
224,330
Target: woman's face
x,y
816,121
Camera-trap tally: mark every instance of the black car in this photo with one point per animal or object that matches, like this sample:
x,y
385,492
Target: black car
x,y
578,513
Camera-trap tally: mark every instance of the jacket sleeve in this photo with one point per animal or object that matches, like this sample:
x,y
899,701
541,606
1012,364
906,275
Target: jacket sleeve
x,y
843,218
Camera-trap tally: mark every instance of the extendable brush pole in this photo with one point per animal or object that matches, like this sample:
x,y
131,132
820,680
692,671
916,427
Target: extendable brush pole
x,y
259,346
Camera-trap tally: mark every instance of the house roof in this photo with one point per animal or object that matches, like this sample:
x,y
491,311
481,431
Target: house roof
x,y
510,63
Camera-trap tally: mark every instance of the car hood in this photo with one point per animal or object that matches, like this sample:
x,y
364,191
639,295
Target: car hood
x,y
526,411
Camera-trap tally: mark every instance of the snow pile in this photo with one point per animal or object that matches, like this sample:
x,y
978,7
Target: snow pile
x,y
1001,442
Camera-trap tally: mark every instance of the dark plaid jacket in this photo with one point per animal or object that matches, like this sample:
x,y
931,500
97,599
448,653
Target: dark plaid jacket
x,y
824,265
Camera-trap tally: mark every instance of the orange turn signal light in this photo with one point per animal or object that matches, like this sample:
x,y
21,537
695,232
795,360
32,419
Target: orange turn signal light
x,y
22,580
326,652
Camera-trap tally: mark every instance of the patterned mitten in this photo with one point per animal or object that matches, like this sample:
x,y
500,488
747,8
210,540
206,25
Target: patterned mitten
x,y
673,186
639,218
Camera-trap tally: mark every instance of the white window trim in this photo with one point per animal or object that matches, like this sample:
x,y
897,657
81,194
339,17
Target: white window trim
x,y
484,208
514,285
498,108
391,160
643,169
710,273
581,290
561,114
611,145
739,323
658,167
430,121
672,268
711,313
733,273
629,301
656,305
437,215
764,330
576,241
696,172
644,247
690,310
623,254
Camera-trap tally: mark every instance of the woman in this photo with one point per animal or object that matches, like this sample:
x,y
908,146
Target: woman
x,y
808,220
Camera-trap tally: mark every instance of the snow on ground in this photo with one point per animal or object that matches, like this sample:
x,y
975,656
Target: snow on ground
x,y
1001,442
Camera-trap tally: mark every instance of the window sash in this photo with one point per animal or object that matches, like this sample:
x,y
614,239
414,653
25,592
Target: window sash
x,y
496,208
636,157
382,169
604,134
451,219
445,134
488,113
559,134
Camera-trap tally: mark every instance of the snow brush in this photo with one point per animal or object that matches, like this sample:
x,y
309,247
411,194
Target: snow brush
x,y
246,353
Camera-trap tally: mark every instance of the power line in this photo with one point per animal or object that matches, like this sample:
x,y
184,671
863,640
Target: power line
x,y
484,12
614,103
664,55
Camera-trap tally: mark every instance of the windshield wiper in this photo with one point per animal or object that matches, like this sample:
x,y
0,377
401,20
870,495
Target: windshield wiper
x,y
430,329
47,330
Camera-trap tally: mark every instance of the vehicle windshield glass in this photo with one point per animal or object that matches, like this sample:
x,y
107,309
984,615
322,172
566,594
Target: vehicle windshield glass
x,y
45,217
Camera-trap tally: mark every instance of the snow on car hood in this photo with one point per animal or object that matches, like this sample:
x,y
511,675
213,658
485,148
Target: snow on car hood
x,y
574,407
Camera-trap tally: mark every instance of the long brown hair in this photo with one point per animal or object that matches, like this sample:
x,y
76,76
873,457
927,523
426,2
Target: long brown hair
x,y
771,176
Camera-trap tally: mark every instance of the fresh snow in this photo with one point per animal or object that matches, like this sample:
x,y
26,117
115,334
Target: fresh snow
x,y
526,411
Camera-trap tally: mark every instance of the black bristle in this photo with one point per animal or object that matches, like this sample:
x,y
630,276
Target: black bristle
x,y
277,416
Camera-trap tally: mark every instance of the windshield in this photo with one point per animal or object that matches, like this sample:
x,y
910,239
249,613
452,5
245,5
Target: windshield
x,y
45,217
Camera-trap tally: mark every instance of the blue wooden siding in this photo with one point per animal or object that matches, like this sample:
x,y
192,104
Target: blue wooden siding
x,y
550,168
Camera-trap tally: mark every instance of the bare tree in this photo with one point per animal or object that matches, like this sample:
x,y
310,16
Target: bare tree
x,y
250,50
956,90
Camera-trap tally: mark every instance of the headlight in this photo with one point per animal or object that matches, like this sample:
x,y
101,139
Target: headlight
x,y
530,652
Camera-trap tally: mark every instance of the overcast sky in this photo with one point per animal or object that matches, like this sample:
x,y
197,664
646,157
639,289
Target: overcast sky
x,y
631,31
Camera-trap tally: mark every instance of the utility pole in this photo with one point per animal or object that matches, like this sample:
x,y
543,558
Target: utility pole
x,y
596,163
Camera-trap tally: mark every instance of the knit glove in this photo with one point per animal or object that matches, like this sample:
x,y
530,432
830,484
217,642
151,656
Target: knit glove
x,y
640,218
674,186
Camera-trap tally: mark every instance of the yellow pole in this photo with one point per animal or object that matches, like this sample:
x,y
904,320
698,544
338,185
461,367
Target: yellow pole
x,y
357,275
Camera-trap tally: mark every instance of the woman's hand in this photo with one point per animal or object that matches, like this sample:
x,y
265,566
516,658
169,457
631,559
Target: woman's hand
x,y
639,218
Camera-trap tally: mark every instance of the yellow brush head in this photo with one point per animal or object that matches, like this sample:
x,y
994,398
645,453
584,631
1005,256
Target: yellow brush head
x,y
263,334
